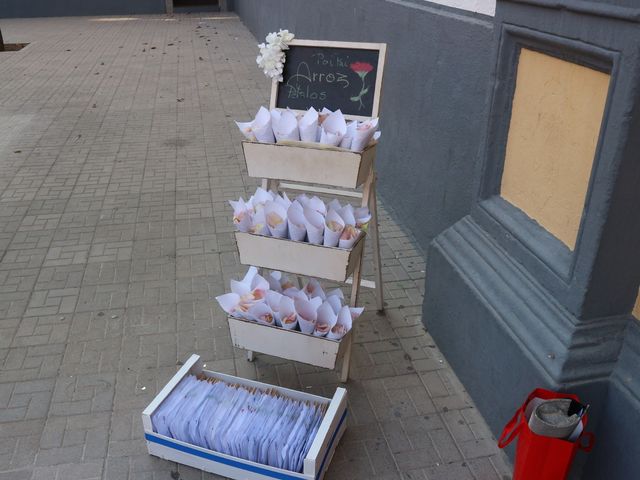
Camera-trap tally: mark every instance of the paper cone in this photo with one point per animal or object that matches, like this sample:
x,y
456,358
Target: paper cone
x,y
318,205
286,127
334,205
349,237
329,138
314,222
348,137
314,289
272,299
285,282
308,126
336,292
363,134
276,218
296,205
259,224
326,319
274,281
242,213
302,199
275,116
228,302
260,198
333,227
342,326
334,129
307,315
316,302
240,288
347,215
262,314
335,302
294,293
247,130
250,275
259,287
283,200
296,223
288,315
363,216
323,115
261,126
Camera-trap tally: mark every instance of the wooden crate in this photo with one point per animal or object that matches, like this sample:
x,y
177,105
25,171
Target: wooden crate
x,y
309,163
289,344
302,258
315,463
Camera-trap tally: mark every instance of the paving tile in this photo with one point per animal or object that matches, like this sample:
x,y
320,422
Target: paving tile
x,y
110,296
83,394
450,471
32,362
28,400
56,301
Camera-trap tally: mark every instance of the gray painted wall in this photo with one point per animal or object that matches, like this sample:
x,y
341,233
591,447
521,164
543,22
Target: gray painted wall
x,y
509,306
433,107
60,8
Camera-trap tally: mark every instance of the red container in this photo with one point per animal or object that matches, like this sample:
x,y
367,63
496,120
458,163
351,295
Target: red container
x,y
538,457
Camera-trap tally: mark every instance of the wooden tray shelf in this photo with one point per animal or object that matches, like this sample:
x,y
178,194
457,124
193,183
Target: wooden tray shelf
x,y
301,258
309,163
289,344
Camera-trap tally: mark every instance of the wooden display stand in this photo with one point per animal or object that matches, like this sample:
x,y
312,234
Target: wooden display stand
x,y
324,170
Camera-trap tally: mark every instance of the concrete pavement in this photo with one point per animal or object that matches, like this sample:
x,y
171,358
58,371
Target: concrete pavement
x,y
118,154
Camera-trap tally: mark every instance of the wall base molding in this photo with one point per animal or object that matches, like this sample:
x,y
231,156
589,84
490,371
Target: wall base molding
x,y
505,335
566,350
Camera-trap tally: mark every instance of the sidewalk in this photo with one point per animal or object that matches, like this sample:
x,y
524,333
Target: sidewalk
x,y
118,154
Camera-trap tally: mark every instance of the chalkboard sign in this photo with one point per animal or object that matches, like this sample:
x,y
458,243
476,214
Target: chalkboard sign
x,y
335,75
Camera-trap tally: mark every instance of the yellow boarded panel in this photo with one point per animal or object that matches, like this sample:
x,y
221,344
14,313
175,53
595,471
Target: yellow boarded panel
x,y
555,122
636,309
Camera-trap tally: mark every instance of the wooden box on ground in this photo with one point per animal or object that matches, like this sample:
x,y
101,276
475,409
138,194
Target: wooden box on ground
x,y
289,344
315,463
309,163
299,257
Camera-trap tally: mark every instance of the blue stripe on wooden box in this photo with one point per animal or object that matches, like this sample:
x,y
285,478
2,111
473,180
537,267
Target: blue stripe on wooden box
x,y
214,457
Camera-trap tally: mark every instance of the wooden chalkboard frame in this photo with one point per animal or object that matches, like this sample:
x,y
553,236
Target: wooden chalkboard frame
x,y
381,48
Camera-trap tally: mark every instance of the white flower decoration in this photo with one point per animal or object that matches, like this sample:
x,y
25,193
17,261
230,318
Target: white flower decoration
x,y
271,58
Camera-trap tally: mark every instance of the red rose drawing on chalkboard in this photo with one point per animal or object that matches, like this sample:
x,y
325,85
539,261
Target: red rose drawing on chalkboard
x,y
361,69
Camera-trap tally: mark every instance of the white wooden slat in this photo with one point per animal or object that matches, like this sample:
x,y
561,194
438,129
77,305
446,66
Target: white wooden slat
x,y
168,388
289,344
298,257
323,190
330,424
363,282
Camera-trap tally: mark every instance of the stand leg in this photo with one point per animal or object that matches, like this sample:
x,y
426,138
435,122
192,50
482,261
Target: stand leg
x,y
355,285
346,361
353,301
269,184
375,233
250,356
